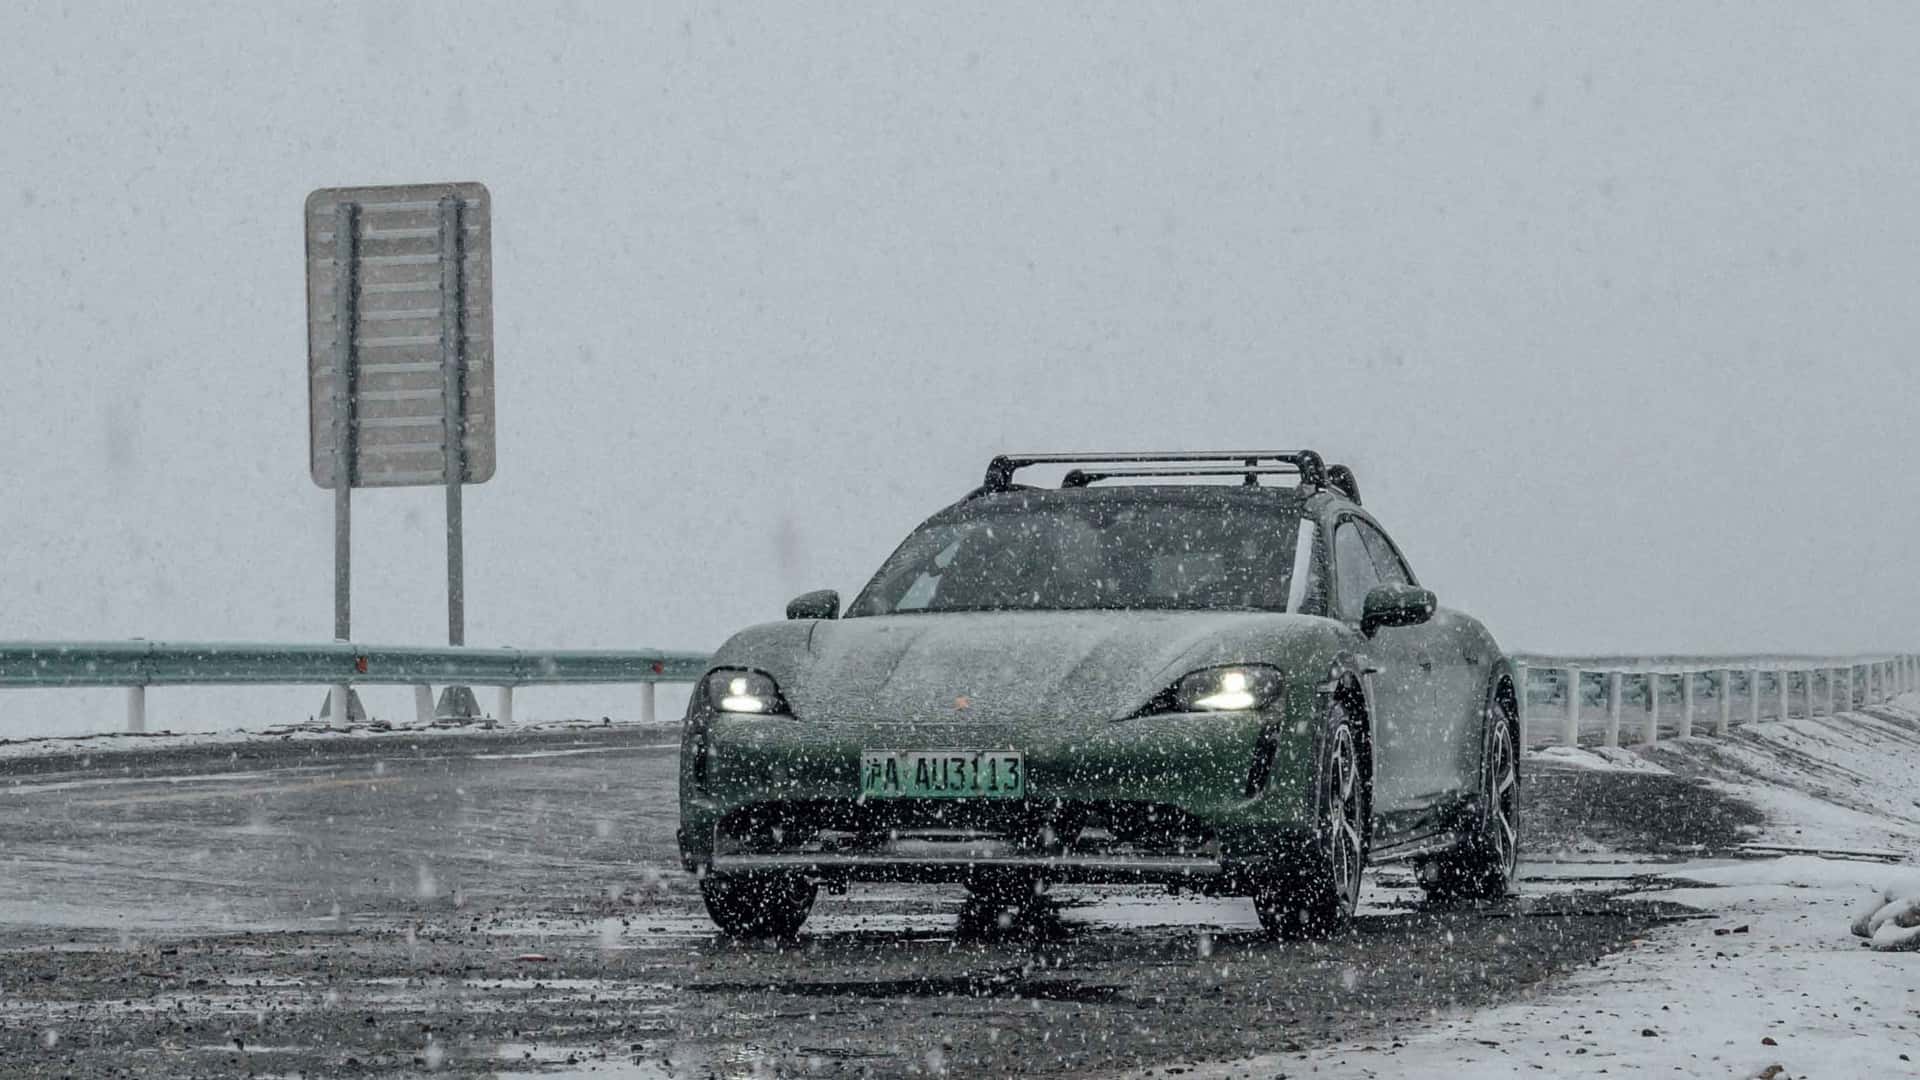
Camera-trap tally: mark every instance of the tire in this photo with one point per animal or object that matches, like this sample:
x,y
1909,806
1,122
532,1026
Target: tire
x,y
1315,894
1482,867
758,905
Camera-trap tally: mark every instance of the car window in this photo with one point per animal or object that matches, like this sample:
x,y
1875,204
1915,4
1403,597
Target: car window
x,y
1092,556
1386,561
1353,572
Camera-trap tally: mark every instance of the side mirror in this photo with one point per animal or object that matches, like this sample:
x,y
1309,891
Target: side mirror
x,y
819,604
1396,605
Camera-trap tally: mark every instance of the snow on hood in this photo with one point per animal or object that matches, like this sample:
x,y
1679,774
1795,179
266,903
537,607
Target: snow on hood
x,y
998,667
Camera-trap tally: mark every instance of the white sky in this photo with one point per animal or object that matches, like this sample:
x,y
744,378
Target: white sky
x,y
1611,305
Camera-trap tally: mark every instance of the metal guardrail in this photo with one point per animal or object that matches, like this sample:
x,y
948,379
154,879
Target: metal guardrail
x,y
1585,697
1594,712
137,665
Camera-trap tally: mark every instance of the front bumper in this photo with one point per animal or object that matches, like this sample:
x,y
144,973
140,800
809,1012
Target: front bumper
x,y
1179,799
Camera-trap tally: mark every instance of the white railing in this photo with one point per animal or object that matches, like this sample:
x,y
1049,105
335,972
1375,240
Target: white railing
x,y
1571,701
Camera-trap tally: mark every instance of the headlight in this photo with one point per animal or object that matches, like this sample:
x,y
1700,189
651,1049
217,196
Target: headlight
x,y
751,692
1227,689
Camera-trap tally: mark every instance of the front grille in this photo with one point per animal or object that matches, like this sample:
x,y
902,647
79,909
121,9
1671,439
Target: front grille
x,y
1026,826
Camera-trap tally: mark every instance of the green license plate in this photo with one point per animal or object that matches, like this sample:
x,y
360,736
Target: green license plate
x,y
943,774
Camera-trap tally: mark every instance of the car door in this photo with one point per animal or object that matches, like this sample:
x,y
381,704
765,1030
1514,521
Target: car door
x,y
1457,679
1402,696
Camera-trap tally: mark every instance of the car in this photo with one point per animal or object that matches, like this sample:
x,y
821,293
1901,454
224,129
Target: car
x,y
1209,671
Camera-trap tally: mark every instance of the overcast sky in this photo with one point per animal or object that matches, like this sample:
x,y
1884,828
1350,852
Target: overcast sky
x,y
1611,305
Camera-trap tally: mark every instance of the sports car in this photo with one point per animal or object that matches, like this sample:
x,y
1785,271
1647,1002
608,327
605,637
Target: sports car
x,y
1206,671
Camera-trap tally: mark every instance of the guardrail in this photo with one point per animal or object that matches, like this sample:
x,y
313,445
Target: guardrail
x,y
1667,692
137,665
1570,700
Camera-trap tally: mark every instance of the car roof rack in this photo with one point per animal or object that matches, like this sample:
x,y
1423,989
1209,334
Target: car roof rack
x,y
1306,464
1085,478
1343,481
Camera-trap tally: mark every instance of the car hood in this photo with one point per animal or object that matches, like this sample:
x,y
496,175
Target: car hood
x,y
1002,667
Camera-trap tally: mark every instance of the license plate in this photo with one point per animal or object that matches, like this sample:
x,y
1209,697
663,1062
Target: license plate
x,y
943,774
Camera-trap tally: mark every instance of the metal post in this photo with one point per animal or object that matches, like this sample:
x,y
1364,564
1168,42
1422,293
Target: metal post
x,y
1786,681
506,706
1686,703
456,702
1613,708
1520,700
1653,708
340,708
646,704
1753,695
1725,721
136,709
452,356
423,705
346,308
1570,734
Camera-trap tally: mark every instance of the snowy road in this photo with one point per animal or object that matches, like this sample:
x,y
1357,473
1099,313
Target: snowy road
x,y
473,904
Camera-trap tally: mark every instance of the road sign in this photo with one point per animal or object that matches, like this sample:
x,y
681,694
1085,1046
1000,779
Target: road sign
x,y
400,363
400,334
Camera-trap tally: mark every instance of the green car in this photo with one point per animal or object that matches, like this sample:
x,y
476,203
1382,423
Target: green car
x,y
1167,669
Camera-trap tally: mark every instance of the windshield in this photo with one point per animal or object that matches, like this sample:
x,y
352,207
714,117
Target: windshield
x,y
1097,556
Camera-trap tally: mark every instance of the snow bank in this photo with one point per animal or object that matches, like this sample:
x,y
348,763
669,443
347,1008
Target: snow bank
x,y
1892,922
1597,759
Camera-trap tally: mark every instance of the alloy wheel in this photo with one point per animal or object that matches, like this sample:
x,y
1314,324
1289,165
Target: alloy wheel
x,y
1503,784
1344,809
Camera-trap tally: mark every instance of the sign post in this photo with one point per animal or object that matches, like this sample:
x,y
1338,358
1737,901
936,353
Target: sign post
x,y
400,366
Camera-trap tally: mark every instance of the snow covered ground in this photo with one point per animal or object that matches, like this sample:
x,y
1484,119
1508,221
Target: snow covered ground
x,y
122,742
1773,983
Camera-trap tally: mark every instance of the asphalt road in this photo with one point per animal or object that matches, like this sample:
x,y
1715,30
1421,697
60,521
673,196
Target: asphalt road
x,y
511,904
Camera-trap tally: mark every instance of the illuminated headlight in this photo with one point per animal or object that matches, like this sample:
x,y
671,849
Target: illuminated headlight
x,y
1228,689
736,691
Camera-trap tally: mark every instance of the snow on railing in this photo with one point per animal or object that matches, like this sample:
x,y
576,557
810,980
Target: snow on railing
x,y
1569,700
137,665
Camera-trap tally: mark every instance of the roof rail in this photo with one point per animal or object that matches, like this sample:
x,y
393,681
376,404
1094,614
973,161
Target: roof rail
x,y
1310,467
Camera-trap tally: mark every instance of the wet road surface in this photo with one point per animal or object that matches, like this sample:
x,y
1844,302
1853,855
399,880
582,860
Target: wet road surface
x,y
512,905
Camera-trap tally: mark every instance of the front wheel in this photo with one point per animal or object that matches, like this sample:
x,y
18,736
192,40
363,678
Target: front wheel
x,y
1483,866
758,905
1316,893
